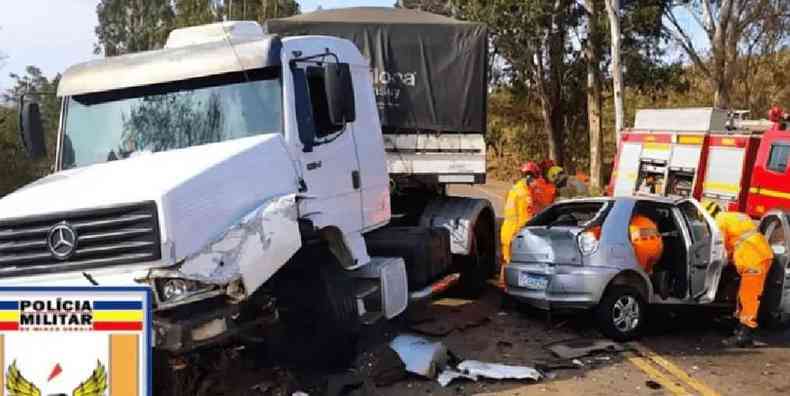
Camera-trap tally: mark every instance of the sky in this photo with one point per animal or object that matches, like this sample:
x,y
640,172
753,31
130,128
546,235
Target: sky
x,y
54,34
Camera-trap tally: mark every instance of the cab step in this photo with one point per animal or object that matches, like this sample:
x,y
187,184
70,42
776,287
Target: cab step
x,y
380,289
369,318
366,287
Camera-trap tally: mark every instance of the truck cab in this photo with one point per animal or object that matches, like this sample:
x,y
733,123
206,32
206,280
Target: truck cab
x,y
769,188
201,169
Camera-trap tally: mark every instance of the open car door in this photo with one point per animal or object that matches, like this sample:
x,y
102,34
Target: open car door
x,y
775,302
706,256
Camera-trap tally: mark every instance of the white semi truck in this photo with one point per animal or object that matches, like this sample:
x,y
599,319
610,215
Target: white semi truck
x,y
243,177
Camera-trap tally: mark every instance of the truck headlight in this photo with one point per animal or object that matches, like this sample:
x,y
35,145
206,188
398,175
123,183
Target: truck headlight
x,y
174,289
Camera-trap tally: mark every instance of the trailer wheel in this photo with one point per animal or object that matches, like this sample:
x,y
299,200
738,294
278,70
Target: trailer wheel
x,y
478,266
318,312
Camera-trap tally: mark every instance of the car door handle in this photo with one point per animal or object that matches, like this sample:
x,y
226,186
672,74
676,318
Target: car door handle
x,y
313,165
355,182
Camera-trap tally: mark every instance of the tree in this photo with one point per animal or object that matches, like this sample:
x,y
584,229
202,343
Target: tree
x,y
613,13
260,10
442,7
127,26
532,38
728,25
592,50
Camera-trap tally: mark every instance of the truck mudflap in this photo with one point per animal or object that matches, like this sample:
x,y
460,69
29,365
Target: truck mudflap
x,y
251,250
459,216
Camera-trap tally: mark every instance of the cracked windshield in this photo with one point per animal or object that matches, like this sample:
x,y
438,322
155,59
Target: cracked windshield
x,y
99,130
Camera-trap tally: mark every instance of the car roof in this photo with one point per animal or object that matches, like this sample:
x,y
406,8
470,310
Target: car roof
x,y
624,198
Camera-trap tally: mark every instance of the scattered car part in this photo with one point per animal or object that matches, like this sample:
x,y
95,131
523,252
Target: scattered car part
x,y
474,369
579,347
421,356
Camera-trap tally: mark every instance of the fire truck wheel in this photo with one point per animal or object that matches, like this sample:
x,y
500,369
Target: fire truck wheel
x,y
318,313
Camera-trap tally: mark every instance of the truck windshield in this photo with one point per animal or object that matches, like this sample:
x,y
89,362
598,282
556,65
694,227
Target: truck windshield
x,y
108,126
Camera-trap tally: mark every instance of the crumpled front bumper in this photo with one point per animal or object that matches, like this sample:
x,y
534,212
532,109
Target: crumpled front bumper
x,y
569,286
207,323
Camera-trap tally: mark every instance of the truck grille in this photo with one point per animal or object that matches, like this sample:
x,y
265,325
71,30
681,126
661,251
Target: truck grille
x,y
108,236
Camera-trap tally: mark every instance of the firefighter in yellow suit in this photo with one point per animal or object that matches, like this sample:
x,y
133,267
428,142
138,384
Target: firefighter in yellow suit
x,y
519,209
748,249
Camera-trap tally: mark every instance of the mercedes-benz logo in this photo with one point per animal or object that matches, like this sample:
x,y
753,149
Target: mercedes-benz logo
x,y
62,240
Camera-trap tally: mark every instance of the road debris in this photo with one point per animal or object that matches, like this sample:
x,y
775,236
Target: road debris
x,y
448,375
560,364
381,365
420,355
652,384
473,369
576,348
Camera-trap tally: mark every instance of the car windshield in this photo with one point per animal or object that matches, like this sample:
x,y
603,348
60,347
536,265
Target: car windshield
x,y
107,126
572,214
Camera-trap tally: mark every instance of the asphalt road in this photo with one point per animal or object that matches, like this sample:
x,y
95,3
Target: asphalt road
x,y
680,354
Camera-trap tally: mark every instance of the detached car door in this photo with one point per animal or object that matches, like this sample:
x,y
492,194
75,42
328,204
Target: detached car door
x,y
706,256
775,302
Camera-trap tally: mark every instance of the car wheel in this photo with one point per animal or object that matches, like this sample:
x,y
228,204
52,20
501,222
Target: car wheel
x,y
621,313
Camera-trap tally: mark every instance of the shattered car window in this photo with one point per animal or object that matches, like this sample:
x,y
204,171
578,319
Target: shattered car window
x,y
572,214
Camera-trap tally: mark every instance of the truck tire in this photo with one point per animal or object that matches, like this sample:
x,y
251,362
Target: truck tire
x,y
318,312
169,380
621,313
479,265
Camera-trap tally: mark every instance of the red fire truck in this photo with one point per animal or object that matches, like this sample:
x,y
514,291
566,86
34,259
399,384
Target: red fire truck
x,y
699,152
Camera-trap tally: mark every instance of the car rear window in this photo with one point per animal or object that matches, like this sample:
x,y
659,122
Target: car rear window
x,y
572,214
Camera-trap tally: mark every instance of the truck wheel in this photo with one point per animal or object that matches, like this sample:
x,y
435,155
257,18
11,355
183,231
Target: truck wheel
x,y
478,266
171,376
319,313
621,313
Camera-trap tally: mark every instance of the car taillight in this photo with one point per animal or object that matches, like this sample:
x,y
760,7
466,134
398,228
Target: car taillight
x,y
588,242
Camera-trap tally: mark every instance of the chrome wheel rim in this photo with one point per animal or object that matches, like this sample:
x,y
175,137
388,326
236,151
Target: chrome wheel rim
x,y
625,314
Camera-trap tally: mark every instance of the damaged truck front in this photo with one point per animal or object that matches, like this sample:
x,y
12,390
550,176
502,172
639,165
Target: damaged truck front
x,y
242,178
196,170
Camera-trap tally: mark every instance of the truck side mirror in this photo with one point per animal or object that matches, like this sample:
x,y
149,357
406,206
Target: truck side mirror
x,y
339,93
31,130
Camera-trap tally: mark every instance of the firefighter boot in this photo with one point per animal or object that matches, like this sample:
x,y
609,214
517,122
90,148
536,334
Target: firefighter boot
x,y
743,337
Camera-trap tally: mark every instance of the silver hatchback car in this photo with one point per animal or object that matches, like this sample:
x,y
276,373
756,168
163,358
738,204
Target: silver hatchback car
x,y
577,254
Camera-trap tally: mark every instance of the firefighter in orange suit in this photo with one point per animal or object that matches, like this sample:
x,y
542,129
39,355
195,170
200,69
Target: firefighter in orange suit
x,y
519,209
748,249
646,240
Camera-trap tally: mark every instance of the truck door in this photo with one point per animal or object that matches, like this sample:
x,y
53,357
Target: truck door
x,y
331,170
775,302
769,187
705,251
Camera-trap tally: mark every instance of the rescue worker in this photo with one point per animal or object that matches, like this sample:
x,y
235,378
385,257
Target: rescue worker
x,y
544,193
751,254
567,186
646,240
519,209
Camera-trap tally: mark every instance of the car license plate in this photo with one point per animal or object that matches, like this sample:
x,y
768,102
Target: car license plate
x,y
534,282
